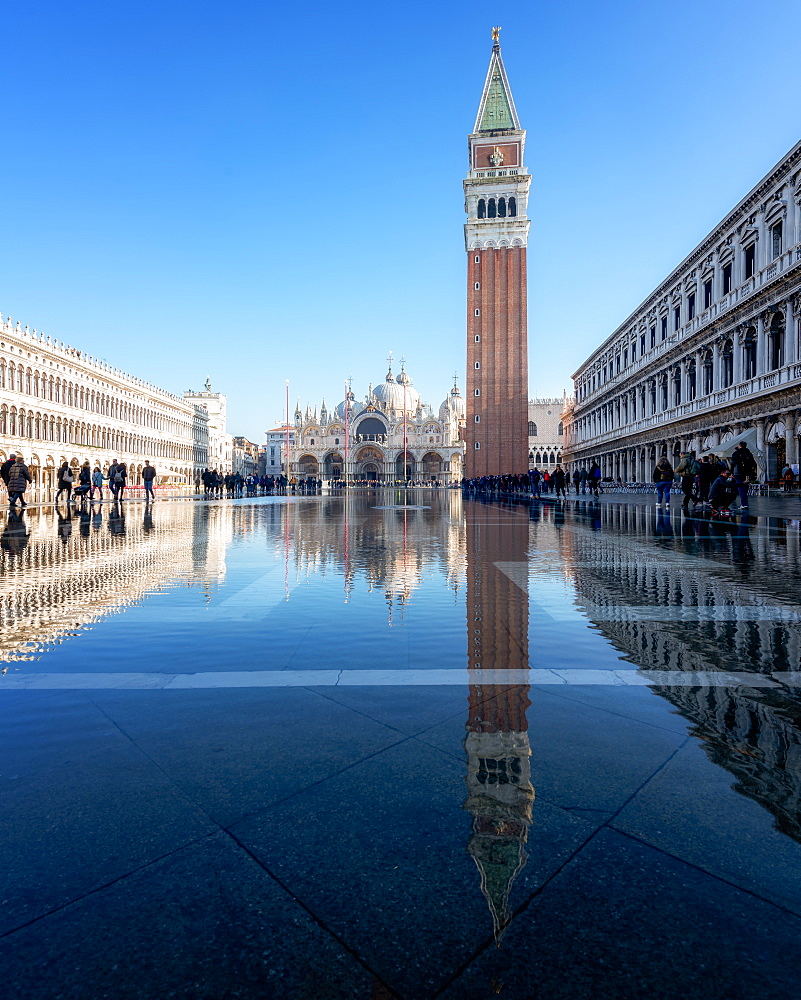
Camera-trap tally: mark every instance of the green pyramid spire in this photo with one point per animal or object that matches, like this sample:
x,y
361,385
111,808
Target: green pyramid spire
x,y
497,108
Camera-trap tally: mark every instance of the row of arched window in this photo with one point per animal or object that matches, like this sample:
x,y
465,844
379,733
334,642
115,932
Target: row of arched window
x,y
42,385
37,426
500,208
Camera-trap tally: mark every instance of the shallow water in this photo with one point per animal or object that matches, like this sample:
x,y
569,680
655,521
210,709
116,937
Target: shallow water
x,y
415,680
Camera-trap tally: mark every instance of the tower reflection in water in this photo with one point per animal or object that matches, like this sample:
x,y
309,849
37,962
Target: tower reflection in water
x,y
500,794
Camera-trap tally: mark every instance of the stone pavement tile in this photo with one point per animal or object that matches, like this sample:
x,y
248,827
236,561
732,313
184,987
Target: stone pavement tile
x,y
235,751
42,729
692,811
205,923
379,855
639,703
582,758
625,922
410,710
71,829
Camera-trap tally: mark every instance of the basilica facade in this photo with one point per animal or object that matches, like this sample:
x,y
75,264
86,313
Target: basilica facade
x,y
388,435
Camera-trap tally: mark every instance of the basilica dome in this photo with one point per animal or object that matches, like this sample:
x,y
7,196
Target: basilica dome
x,y
390,394
453,403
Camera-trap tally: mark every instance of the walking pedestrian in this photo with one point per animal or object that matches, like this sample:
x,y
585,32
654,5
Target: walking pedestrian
x,y
64,480
576,480
687,469
594,479
18,479
148,475
663,480
120,480
112,479
97,482
5,468
558,480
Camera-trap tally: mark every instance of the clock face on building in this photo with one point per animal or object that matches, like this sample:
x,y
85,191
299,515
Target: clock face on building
x,y
483,154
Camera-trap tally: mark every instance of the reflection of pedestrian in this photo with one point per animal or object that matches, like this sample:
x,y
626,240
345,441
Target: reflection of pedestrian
x,y
15,536
147,520
116,520
64,525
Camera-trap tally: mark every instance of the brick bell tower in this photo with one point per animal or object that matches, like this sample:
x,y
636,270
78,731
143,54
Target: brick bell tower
x,y
496,235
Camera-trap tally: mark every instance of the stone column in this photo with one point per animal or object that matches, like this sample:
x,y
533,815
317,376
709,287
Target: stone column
x,y
790,346
790,439
717,365
737,356
760,440
761,345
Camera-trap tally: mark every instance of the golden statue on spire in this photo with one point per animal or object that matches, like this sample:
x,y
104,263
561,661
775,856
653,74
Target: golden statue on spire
x,y
496,35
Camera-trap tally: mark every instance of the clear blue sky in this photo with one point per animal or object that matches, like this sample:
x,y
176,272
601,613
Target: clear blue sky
x,y
259,192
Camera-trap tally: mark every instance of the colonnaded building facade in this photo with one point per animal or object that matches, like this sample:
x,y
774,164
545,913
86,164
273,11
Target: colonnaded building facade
x,y
390,434
59,404
712,357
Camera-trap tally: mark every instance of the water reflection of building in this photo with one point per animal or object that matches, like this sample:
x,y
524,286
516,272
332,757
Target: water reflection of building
x,y
624,581
391,550
74,570
500,793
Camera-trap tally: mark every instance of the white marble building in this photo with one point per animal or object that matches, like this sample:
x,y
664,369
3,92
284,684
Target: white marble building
x,y
220,442
545,435
364,439
59,404
712,356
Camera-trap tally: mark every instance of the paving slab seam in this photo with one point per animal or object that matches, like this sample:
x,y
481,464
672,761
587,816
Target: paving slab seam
x,y
109,884
312,915
796,914
313,784
630,718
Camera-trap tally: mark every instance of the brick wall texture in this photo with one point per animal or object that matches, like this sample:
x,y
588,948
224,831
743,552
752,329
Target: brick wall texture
x,y
502,354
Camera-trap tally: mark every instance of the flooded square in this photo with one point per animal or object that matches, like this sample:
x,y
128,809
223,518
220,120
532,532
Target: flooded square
x,y
405,743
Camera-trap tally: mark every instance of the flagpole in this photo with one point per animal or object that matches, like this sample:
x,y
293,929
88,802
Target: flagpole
x,y
347,432
286,470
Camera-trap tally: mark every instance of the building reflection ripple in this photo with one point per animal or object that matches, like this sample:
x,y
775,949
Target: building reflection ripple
x,y
699,596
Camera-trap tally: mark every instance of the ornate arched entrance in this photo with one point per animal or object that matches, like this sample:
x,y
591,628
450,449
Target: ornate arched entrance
x,y
369,463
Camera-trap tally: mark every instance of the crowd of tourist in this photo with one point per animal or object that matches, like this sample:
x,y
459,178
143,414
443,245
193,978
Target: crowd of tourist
x,y
714,482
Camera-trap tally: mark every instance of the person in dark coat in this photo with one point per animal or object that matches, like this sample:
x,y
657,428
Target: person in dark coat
x,y
744,468
65,481
708,474
18,479
558,480
5,468
722,492
663,480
